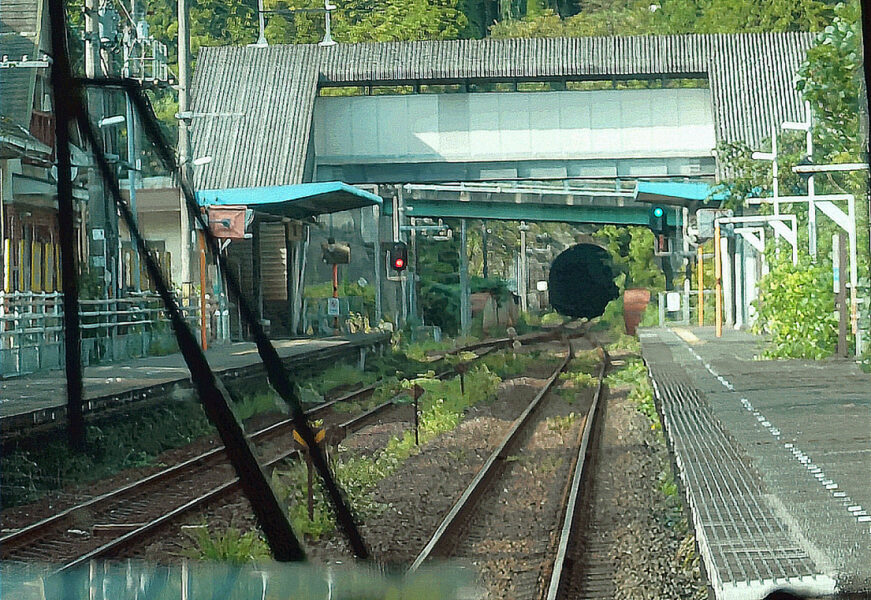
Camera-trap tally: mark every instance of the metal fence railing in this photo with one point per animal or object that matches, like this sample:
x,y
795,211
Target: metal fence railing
x,y
31,330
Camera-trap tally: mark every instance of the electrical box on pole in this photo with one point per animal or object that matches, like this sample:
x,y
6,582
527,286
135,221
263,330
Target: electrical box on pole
x,y
336,253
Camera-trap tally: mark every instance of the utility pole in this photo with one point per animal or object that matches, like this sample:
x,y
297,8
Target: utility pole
x,y
61,79
484,247
137,34
96,206
184,139
465,312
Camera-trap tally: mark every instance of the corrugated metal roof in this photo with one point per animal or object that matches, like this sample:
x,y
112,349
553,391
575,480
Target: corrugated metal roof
x,y
298,201
20,26
750,77
262,101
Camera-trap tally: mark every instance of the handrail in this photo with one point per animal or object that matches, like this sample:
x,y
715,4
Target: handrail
x,y
31,327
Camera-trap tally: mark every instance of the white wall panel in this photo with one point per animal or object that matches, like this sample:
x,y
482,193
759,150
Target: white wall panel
x,y
514,126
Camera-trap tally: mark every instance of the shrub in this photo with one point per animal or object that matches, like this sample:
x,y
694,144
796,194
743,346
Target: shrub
x,y
796,308
230,546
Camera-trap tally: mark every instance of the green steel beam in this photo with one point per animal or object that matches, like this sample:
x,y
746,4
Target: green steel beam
x,y
505,211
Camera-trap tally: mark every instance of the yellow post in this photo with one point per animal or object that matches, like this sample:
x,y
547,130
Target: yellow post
x,y
57,274
22,247
701,286
36,266
48,283
718,275
7,266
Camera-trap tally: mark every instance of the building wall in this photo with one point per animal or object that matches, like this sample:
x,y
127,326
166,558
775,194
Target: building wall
x,y
514,126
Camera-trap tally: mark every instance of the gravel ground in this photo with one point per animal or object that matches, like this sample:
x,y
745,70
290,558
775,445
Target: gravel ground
x,y
423,490
395,534
511,539
635,546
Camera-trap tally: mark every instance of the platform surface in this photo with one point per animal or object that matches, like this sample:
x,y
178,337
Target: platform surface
x,y
40,392
774,458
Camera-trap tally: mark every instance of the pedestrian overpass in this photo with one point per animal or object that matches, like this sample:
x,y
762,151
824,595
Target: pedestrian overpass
x,y
558,135
494,118
271,115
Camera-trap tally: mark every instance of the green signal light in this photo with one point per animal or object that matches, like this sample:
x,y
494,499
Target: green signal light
x,y
657,212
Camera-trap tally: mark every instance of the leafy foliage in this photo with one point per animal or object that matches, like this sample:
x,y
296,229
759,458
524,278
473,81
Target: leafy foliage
x,y
631,250
231,546
796,308
29,473
441,409
832,81
796,305
643,17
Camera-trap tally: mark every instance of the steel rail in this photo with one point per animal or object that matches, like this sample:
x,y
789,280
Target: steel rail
x,y
24,534
473,492
131,537
35,530
580,461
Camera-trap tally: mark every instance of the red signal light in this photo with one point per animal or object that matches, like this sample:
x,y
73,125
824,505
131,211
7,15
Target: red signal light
x,y
399,256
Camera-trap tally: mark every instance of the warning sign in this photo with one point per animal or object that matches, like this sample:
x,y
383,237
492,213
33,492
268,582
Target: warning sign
x,y
319,437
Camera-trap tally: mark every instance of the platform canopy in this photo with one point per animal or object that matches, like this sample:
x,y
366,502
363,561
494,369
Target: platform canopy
x,y
298,201
689,194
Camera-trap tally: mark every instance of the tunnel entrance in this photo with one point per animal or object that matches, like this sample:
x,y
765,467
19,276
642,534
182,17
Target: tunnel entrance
x,y
581,281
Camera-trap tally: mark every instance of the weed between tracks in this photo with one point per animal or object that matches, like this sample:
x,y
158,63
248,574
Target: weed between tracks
x,y
135,440
441,409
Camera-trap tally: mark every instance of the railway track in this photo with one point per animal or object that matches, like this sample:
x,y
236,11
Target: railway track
x,y
114,522
582,567
467,529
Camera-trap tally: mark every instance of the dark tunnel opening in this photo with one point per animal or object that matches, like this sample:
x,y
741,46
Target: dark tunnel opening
x,y
581,282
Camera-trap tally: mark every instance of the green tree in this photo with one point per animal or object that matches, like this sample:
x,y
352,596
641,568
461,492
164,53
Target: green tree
x,y
795,300
631,249
649,17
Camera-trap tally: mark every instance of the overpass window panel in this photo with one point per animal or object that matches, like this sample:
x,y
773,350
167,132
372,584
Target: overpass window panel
x,y
605,123
514,124
423,125
635,135
484,123
575,122
695,117
363,127
453,115
664,112
333,134
392,139
695,106
544,119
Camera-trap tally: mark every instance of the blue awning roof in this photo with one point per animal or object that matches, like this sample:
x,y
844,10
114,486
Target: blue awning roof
x,y
672,192
295,201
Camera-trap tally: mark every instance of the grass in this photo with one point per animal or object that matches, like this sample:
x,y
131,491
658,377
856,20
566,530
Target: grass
x,y
231,546
441,409
561,424
30,473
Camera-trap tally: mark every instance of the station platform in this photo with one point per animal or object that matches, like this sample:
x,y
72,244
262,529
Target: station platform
x,y
38,400
774,461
